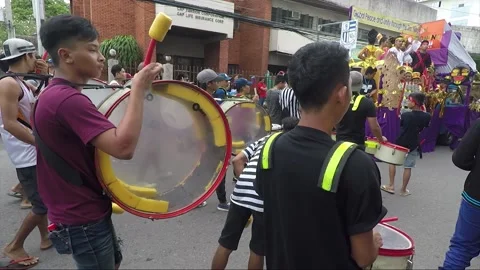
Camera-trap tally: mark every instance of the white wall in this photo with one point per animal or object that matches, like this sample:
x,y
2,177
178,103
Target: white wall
x,y
312,11
200,20
469,16
182,46
470,38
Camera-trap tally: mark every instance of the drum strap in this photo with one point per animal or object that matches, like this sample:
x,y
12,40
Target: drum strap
x,y
62,167
357,102
333,165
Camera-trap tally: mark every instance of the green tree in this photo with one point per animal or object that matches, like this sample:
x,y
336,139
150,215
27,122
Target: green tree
x,y
23,16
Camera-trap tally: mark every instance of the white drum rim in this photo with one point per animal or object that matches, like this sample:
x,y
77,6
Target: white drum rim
x,y
397,252
228,150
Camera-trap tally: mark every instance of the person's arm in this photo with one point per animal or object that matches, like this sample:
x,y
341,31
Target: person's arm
x,y
373,122
464,156
374,88
360,188
361,54
9,94
92,127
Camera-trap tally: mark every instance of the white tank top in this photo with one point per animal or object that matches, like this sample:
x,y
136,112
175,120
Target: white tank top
x,y
21,154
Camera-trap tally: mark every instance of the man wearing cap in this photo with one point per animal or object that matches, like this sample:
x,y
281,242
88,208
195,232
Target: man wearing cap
x,y
16,102
421,59
208,80
352,126
223,85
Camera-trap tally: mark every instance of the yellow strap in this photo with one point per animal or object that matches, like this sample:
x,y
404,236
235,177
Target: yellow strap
x,y
266,151
333,164
357,102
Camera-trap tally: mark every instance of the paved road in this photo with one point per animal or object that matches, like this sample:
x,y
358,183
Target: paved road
x,y
189,241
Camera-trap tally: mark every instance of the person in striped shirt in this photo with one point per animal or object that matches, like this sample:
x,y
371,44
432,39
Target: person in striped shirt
x,y
288,102
245,203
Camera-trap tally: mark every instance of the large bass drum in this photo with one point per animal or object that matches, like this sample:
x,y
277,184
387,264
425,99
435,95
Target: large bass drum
x,y
181,156
97,95
248,122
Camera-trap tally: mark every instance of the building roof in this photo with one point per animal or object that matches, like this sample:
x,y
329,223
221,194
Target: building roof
x,y
325,4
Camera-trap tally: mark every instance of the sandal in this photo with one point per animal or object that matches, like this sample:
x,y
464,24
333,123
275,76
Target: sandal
x,y
15,194
19,264
405,194
387,189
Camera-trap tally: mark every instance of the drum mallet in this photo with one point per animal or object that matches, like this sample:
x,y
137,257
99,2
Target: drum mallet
x,y
390,219
158,31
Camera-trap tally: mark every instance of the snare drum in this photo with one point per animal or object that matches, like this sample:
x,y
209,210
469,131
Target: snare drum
x,y
334,136
371,146
182,153
391,153
97,95
248,122
397,250
276,128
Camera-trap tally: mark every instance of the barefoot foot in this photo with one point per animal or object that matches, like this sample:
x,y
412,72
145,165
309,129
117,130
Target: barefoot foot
x,y
45,244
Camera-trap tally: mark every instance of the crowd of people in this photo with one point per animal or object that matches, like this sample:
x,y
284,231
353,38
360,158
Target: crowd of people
x,y
304,224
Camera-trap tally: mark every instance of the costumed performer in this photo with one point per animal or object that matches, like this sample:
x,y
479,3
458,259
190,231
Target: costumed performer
x,y
370,53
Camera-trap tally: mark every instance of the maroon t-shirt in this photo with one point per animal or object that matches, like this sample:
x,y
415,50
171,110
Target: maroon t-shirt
x,y
67,121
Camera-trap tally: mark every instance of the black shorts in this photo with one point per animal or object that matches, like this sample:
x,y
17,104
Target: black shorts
x,y
28,178
237,218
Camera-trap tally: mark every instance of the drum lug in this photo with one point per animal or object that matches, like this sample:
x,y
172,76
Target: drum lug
x,y
393,152
410,263
149,97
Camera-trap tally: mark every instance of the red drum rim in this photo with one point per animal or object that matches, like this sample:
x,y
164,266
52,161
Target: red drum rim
x,y
396,147
214,185
397,253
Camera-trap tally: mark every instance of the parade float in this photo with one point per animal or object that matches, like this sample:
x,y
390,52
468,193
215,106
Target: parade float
x,y
447,87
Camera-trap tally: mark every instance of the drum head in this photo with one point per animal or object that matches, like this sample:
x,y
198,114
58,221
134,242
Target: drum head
x,y
181,156
248,122
393,239
97,95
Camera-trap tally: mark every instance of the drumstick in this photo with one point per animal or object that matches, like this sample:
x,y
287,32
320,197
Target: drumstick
x,y
158,31
390,219
44,56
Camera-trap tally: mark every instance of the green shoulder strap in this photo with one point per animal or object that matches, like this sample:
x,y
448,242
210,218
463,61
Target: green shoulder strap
x,y
266,154
357,102
333,165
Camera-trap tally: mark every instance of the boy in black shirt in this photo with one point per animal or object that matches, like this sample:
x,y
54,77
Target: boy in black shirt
x,y
412,123
369,87
306,225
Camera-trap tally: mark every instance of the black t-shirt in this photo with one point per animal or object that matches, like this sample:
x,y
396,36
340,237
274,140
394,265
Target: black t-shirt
x,y
352,126
467,157
305,226
368,86
411,124
419,65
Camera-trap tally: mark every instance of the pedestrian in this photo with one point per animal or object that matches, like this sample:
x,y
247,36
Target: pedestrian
x,y
352,126
119,75
69,128
208,80
273,100
245,203
411,124
16,101
315,219
464,245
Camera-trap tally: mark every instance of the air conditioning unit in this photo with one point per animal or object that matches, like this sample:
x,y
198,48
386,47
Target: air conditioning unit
x,y
296,15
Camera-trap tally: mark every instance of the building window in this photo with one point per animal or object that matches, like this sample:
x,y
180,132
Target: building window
x,y
292,18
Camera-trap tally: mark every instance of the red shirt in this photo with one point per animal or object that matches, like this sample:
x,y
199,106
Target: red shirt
x,y
262,90
67,121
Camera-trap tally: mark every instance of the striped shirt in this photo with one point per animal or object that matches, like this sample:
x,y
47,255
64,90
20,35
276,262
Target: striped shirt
x,y
289,101
244,193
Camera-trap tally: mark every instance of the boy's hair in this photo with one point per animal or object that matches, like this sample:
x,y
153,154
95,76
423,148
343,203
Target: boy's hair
x,y
289,123
65,30
418,97
116,69
370,70
280,79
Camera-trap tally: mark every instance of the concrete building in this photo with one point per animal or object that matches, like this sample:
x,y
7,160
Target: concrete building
x,y
456,12
199,39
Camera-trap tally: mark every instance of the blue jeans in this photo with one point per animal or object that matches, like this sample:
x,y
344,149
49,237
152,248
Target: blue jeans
x,y
93,246
261,101
465,243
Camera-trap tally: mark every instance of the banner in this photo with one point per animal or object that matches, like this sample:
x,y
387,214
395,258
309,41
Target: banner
x,y
433,32
380,21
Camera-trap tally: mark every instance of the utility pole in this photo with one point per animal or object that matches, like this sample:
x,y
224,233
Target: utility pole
x,y
39,13
9,19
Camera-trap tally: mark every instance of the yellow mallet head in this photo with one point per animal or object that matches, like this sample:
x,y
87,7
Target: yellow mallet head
x,y
160,26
